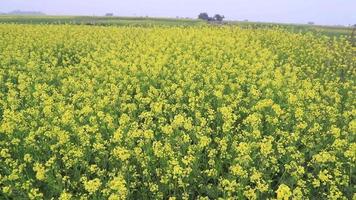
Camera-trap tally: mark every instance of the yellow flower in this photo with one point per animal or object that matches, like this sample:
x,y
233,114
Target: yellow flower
x,y
253,119
335,131
351,152
299,113
4,153
263,104
40,171
158,149
298,193
324,157
92,185
256,176
277,109
35,194
283,192
118,185
324,176
316,183
27,158
148,134
178,121
63,137
117,135
237,170
167,130
6,190
121,153
250,194
65,196
204,141
266,147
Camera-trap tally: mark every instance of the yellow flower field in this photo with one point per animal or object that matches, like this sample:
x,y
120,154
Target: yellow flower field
x,y
175,113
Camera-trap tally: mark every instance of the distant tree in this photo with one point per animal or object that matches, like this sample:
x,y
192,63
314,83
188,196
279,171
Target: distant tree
x,y
204,16
109,14
219,17
311,23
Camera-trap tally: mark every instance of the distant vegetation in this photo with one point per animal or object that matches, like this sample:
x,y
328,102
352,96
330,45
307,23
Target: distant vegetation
x,y
216,18
203,19
26,13
101,21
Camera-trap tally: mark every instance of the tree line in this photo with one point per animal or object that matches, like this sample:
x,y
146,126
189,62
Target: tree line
x,y
206,17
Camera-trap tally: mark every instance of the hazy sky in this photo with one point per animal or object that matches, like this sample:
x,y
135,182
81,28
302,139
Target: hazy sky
x,y
331,12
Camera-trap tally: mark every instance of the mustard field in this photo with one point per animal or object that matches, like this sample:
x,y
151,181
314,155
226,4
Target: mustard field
x,y
208,112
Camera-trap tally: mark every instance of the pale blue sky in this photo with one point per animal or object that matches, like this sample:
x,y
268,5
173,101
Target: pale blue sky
x,y
332,12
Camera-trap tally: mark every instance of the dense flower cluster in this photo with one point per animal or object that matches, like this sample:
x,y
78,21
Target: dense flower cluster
x,y
175,113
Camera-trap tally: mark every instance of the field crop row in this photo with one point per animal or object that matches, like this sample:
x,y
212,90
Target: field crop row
x,y
175,113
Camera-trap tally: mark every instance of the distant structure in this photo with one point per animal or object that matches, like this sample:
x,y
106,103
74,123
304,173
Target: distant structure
x,y
109,14
311,23
216,18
